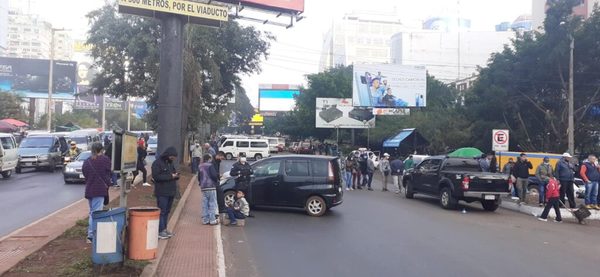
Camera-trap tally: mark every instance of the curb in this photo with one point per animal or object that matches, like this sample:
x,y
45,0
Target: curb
x,y
529,210
150,269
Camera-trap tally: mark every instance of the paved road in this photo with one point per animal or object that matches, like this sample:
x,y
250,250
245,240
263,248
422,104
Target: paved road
x,y
382,234
32,195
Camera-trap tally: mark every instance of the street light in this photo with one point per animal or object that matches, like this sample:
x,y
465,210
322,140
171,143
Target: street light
x,y
571,121
51,76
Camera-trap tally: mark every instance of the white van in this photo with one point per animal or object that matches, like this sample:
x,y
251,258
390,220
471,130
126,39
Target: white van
x,y
273,144
8,154
252,148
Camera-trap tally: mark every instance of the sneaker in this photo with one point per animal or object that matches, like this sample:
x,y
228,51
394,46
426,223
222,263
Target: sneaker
x,y
163,235
558,221
169,234
351,189
347,189
214,222
541,204
205,223
359,188
597,207
542,219
88,240
589,207
146,185
371,189
250,215
232,223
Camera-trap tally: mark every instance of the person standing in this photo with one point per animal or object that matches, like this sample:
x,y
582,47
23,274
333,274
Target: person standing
x,y
552,194
348,166
590,173
409,163
543,173
141,164
507,169
397,168
565,171
242,171
209,150
220,197
384,167
96,171
484,163
208,179
362,163
165,187
196,156
493,163
355,172
521,171
370,171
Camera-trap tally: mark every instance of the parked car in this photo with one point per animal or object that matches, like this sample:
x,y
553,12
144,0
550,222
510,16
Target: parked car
x,y
293,147
41,151
454,179
8,154
152,145
313,183
304,148
72,172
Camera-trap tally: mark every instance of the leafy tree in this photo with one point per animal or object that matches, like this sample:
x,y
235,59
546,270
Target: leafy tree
x,y
10,106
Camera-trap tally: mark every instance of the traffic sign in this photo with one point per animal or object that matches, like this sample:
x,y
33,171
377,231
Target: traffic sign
x,y
500,139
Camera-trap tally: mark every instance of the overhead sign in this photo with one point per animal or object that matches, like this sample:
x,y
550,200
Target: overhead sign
x,y
275,5
388,111
193,10
389,85
339,113
500,139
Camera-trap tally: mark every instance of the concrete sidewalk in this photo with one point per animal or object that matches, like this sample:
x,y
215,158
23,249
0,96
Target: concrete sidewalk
x,y
530,210
194,250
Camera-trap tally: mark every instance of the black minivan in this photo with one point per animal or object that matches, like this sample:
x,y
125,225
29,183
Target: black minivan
x,y
313,183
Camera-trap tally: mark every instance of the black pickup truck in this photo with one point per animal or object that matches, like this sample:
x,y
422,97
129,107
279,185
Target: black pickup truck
x,y
454,179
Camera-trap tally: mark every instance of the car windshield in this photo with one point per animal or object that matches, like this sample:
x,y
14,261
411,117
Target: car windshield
x,y
79,140
152,140
36,142
84,156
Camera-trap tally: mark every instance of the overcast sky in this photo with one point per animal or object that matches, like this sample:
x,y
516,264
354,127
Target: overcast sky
x,y
296,51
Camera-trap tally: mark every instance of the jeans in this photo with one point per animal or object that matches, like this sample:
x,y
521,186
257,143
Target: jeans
x,y
522,188
164,203
209,205
355,179
542,192
385,180
144,173
370,174
591,193
552,203
113,178
195,164
234,215
220,201
95,204
566,188
348,179
396,182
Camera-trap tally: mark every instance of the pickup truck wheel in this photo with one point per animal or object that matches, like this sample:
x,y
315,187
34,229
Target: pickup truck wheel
x,y
316,206
447,201
6,174
408,191
490,205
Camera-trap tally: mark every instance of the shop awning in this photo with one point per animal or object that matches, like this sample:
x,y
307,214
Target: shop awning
x,y
14,122
396,140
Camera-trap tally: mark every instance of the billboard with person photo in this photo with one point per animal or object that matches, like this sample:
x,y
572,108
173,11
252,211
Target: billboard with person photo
x,y
389,86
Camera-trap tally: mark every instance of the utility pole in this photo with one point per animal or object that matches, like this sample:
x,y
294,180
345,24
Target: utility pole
x,y
50,83
128,115
571,128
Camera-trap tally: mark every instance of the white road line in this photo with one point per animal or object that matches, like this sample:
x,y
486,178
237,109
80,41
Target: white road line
x,y
220,253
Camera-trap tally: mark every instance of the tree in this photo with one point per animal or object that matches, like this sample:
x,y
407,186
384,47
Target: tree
x,y
126,50
10,106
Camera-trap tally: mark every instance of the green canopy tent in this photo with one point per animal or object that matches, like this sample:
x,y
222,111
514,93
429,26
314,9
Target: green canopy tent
x,y
466,152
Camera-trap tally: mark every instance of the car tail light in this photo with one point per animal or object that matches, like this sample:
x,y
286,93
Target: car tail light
x,y
330,176
465,183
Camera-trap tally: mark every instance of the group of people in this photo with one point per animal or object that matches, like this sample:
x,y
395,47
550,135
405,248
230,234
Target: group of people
x,y
359,169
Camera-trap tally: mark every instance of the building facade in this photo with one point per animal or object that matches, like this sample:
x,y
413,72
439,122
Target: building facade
x,y
449,56
359,38
28,36
539,7
3,24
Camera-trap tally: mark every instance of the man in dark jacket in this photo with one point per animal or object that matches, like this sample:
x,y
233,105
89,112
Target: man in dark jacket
x,y
208,178
521,171
141,164
565,172
397,170
363,166
242,171
220,197
165,187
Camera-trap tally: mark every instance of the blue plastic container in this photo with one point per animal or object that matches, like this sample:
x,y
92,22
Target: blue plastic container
x,y
108,226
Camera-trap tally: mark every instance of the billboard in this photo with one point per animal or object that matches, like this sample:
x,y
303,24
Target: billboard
x,y
274,5
29,78
389,86
339,113
195,12
277,98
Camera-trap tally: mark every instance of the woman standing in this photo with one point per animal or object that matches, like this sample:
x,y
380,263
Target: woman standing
x,y
141,164
96,171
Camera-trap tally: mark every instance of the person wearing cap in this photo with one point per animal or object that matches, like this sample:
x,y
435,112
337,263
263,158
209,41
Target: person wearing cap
x,y
543,173
521,171
384,167
74,150
590,173
565,172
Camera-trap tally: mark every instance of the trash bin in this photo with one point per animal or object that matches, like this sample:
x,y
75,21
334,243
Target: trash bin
x,y
108,228
143,233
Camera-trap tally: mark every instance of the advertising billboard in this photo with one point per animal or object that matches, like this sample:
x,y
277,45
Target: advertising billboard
x,y
389,86
29,78
339,113
197,13
273,5
277,98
